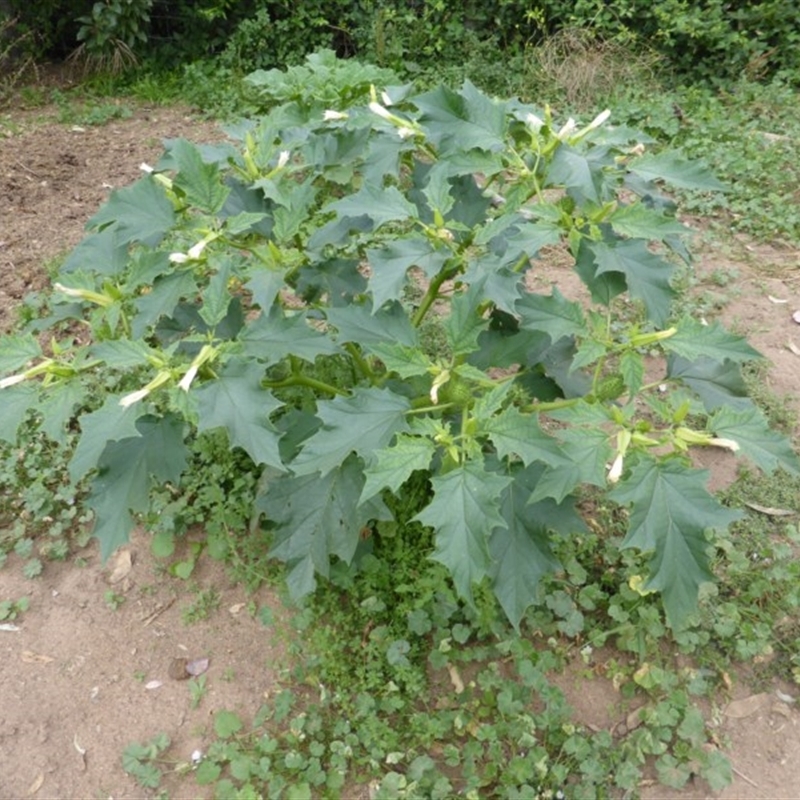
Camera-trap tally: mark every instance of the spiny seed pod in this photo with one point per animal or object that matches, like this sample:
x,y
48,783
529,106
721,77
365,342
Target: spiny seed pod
x,y
610,387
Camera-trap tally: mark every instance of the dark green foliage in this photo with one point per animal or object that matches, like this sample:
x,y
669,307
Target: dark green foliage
x,y
242,305
712,40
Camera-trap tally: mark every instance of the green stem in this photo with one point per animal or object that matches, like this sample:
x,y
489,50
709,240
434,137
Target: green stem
x,y
304,380
363,365
430,296
431,409
553,405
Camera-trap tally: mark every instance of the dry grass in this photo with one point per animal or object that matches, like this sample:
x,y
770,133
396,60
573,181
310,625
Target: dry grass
x,y
118,59
15,59
582,67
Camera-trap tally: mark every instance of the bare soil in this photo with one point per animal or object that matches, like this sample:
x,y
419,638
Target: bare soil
x,y
74,678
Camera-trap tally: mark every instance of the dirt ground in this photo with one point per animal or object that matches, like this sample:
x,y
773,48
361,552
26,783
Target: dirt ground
x,y
74,677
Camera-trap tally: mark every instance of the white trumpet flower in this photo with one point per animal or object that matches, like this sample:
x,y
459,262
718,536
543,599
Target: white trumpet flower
x,y
12,380
330,115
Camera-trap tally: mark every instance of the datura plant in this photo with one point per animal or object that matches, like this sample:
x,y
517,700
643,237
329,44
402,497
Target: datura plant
x,y
352,297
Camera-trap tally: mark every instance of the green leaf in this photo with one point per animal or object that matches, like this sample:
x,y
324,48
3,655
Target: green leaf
x,y
264,285
555,315
237,402
380,204
463,513
110,423
103,253
640,222
122,484
514,433
585,452
670,510
391,263
363,423
397,653
647,275
529,238
465,321
462,121
575,171
161,301
405,361
274,335
217,297
631,367
317,517
521,549
199,180
139,213
17,401
715,384
57,405
694,340
16,351
674,169
750,430
393,465
227,724
356,323
123,353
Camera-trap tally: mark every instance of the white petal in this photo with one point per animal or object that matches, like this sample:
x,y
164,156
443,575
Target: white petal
x,y
195,251
377,108
534,122
615,473
178,258
728,444
283,159
331,115
134,397
405,133
567,129
186,380
387,101
145,168
599,119
11,380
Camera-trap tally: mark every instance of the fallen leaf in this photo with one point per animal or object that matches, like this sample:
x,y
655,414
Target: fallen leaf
x,y
36,785
197,667
783,697
236,608
772,512
29,657
738,709
81,751
635,718
177,669
793,347
121,565
455,679
153,685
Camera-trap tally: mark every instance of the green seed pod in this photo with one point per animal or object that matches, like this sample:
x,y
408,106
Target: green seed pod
x,y
610,387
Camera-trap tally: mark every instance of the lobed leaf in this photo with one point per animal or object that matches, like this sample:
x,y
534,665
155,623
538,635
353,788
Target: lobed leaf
x,y
463,513
694,341
137,213
670,511
237,402
363,423
750,429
